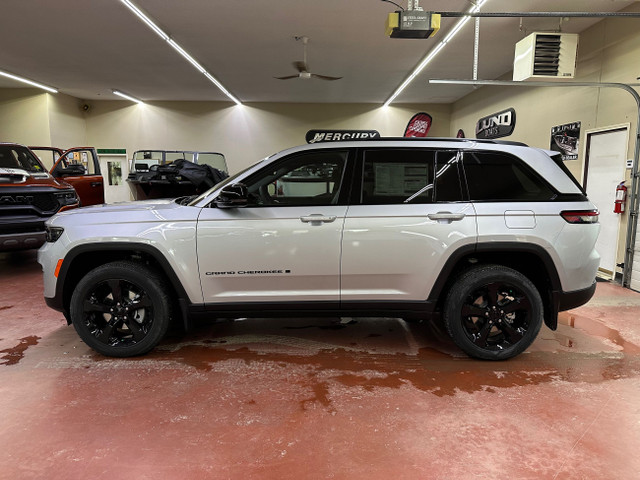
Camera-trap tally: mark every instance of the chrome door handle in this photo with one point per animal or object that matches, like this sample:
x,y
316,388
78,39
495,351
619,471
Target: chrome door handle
x,y
96,184
448,217
317,218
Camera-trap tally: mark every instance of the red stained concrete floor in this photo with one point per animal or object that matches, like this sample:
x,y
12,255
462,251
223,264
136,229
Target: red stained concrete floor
x,y
316,399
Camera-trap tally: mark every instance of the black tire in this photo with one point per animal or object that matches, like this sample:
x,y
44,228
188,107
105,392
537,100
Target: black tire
x,y
493,312
121,309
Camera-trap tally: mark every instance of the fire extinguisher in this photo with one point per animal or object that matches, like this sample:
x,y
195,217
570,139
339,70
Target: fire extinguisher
x,y
621,198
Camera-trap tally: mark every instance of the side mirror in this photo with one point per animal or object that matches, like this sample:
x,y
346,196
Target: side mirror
x,y
232,196
71,171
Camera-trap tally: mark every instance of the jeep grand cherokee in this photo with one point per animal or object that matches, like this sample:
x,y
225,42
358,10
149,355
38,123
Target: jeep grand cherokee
x,y
494,237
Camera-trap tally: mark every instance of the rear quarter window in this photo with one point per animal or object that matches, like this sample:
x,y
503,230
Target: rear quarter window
x,y
497,176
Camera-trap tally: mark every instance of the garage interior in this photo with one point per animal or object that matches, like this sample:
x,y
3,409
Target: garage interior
x,y
316,397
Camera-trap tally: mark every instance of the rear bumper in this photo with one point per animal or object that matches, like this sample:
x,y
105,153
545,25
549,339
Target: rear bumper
x,y
573,299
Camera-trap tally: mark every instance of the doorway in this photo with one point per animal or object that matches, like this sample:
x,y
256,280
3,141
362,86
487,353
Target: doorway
x,y
604,169
115,171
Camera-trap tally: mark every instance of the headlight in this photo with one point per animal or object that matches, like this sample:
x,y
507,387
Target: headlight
x,y
52,233
67,198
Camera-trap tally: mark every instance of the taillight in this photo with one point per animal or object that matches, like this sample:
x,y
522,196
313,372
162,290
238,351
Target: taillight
x,y
580,216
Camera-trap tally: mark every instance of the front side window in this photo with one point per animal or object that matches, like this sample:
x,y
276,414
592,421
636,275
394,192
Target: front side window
x,y
80,161
312,178
497,176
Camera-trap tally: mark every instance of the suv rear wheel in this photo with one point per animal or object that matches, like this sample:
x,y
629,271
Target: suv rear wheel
x,y
121,309
493,312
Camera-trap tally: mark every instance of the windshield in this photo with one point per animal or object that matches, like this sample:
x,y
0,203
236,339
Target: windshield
x,y
221,184
216,160
19,157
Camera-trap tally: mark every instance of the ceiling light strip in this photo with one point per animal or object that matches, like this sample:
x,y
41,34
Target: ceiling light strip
x,y
140,14
128,97
431,55
28,82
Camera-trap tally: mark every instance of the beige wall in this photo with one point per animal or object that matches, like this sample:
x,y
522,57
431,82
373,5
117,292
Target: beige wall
x,y
608,52
23,116
244,133
67,124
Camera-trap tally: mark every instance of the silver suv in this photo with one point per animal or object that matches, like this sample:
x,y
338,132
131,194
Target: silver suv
x,y
493,237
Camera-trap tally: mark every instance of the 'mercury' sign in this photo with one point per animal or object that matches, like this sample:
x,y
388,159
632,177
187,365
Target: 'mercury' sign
x,y
317,136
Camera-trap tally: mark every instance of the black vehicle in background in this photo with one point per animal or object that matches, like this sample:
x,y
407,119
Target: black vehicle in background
x,y
174,173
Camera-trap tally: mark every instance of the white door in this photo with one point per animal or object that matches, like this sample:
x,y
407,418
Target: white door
x,y
285,245
409,214
115,170
605,169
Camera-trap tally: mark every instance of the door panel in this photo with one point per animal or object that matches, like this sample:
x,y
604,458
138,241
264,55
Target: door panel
x,y
285,245
270,254
80,168
606,155
412,212
394,252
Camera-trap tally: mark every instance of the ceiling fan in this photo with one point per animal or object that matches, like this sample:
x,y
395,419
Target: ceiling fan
x,y
303,68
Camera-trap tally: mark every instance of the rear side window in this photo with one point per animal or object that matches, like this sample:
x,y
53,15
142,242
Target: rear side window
x,y
499,176
393,176
402,176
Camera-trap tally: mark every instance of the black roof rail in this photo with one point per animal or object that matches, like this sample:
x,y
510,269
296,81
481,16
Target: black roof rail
x,y
445,139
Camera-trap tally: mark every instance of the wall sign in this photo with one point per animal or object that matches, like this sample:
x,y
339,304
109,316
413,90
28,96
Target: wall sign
x,y
316,136
566,140
112,151
460,134
497,125
419,125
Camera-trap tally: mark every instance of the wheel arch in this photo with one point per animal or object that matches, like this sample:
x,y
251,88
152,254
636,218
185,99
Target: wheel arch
x,y
84,258
531,260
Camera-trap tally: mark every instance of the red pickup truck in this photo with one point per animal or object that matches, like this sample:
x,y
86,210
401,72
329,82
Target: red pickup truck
x,y
28,196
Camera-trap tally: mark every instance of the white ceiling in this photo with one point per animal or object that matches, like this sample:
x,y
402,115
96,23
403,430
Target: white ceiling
x,y
86,48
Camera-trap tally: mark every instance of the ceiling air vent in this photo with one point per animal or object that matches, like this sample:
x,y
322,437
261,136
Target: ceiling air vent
x,y
546,56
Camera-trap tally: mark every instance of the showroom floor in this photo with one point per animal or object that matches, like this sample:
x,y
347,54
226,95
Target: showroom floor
x,y
316,398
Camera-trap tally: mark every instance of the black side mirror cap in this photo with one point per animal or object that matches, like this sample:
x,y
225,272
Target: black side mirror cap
x,y
70,171
232,196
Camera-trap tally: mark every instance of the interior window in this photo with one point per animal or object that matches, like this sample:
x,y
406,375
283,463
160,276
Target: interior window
x,y
499,176
312,178
397,176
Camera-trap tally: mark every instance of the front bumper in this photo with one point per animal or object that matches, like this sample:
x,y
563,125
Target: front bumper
x,y
21,241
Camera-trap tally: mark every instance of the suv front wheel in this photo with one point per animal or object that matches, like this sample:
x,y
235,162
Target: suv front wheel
x,y
493,312
121,309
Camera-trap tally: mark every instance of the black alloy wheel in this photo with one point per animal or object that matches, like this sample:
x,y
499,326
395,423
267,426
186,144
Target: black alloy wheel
x,y
121,309
493,312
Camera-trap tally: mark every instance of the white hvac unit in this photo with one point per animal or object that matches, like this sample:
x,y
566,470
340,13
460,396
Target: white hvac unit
x,y
546,56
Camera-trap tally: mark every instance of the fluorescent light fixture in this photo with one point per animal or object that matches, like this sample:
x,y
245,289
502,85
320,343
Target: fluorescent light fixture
x,y
27,81
431,55
142,16
128,97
